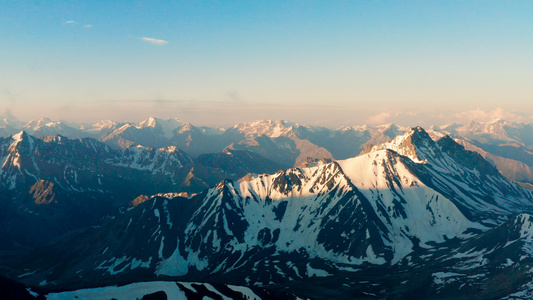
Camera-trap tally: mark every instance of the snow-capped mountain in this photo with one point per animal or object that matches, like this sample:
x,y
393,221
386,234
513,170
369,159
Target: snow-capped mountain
x,y
9,126
358,227
144,290
445,166
154,132
291,143
284,142
507,145
47,127
494,132
99,129
513,169
44,180
280,141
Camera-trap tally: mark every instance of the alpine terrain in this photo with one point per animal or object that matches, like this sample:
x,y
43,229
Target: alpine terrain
x,y
408,218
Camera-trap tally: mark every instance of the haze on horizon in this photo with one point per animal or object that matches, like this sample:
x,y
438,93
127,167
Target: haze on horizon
x,y
325,63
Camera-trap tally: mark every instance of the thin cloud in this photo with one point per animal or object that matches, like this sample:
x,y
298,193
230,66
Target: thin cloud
x,y
88,26
379,118
235,96
153,41
70,22
498,113
396,117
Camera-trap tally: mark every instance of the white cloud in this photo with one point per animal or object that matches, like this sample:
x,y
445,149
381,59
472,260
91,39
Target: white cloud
x,y
157,42
88,26
407,118
379,118
70,22
481,115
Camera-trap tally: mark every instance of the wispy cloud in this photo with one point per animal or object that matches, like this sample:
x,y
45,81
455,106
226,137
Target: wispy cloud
x,y
398,117
70,22
88,26
379,118
235,96
153,41
491,115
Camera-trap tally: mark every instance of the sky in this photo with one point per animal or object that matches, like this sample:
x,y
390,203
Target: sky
x,y
217,63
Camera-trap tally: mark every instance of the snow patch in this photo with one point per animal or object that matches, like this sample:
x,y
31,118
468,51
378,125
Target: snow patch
x,y
130,291
312,272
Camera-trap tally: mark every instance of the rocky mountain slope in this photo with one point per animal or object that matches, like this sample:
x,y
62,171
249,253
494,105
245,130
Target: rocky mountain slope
x,y
507,145
51,185
412,218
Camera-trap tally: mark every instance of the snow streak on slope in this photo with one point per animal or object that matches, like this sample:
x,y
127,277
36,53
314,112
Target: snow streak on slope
x,y
290,211
475,186
160,290
390,208
164,160
370,209
410,208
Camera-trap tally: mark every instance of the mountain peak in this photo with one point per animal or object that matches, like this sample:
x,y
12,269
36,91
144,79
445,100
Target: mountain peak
x,y
265,127
21,136
150,122
413,143
34,124
469,159
21,140
7,119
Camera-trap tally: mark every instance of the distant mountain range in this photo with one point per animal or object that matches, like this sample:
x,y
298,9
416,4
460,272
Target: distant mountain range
x,y
56,184
507,145
416,216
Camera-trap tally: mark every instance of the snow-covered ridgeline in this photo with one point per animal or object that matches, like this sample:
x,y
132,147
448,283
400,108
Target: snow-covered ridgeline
x,y
164,160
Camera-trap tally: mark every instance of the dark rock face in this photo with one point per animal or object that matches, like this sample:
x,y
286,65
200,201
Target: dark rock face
x,y
409,219
509,145
63,184
238,163
317,232
10,289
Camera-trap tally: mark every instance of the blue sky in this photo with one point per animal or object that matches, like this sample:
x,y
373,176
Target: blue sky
x,y
222,62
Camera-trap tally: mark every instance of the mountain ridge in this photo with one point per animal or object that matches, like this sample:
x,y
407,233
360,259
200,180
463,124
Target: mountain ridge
x,y
367,213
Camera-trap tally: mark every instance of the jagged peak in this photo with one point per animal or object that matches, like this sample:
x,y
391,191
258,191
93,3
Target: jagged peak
x,y
253,124
37,123
450,126
167,126
354,128
492,127
104,124
413,143
266,122
150,122
22,135
264,127
7,119
20,139
468,159
154,122
387,126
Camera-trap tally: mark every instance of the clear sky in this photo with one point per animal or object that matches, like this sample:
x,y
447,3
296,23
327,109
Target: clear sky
x,y
222,62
